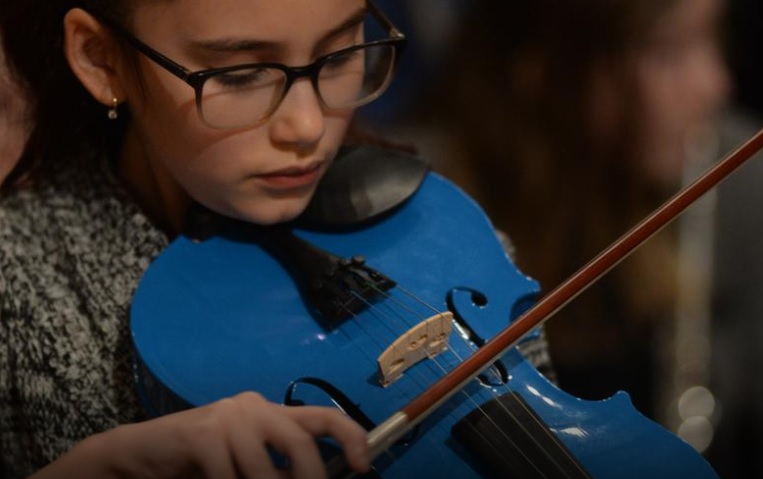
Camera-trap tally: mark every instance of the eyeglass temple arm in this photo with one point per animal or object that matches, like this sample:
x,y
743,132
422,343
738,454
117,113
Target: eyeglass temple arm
x,y
384,20
171,66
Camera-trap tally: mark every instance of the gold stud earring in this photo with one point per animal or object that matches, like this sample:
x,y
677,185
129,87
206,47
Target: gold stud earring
x,y
113,114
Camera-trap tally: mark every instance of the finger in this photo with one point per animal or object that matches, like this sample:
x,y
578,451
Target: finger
x,y
320,421
286,436
221,431
251,456
213,458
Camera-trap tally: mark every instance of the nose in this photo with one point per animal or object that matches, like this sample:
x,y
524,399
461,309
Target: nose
x,y
299,120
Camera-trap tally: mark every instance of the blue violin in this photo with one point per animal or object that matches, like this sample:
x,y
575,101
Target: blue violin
x,y
372,316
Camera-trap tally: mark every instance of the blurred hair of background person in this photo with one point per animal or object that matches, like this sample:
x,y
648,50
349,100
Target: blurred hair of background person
x,y
570,121
12,131
432,24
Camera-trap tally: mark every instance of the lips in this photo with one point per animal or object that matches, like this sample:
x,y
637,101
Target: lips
x,y
292,177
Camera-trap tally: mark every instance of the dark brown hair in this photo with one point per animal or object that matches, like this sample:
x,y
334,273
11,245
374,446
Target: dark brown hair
x,y
67,124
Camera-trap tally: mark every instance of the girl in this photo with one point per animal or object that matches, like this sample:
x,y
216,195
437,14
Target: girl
x,y
127,133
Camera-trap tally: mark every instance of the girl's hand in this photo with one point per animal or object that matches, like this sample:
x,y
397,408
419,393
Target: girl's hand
x,y
226,439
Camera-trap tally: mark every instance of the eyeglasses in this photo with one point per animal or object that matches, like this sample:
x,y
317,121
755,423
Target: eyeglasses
x,y
241,96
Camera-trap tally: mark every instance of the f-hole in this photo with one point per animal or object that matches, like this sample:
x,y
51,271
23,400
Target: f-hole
x,y
479,300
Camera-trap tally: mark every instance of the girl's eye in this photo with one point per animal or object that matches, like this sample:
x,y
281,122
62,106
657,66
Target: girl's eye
x,y
248,78
349,58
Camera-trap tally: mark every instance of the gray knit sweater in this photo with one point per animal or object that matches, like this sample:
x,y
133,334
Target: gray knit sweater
x,y
70,256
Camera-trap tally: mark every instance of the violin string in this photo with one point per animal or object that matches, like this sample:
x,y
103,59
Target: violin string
x,y
385,317
436,363
508,437
416,379
501,405
361,324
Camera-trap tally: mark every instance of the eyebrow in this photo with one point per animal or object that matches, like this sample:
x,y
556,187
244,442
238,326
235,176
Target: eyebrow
x,y
227,45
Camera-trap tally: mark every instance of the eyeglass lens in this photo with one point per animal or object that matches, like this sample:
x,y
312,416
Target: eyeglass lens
x,y
247,96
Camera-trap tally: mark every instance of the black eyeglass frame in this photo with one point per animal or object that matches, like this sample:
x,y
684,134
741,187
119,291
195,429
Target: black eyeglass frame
x,y
196,79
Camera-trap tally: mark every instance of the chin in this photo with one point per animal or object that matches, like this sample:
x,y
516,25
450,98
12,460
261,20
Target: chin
x,y
274,215
261,210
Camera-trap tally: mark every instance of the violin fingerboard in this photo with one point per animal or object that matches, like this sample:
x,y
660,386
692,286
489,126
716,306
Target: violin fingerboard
x,y
507,435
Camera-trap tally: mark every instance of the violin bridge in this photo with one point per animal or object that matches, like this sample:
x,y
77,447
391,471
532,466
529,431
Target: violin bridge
x,y
425,340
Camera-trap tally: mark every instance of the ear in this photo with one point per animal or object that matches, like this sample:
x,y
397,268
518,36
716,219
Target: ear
x,y
93,56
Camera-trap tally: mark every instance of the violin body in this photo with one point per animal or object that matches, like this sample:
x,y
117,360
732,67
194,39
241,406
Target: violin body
x,y
216,317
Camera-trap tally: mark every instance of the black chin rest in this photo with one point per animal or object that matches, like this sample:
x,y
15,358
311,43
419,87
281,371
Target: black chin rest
x,y
363,183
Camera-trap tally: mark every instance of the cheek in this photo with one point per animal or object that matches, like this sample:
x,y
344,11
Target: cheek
x,y
663,103
664,122
176,137
217,180
679,97
165,107
337,125
670,114
212,168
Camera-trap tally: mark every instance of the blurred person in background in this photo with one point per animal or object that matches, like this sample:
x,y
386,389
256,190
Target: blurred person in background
x,y
570,121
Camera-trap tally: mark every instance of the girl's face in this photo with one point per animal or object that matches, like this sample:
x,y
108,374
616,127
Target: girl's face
x,y
683,81
266,173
